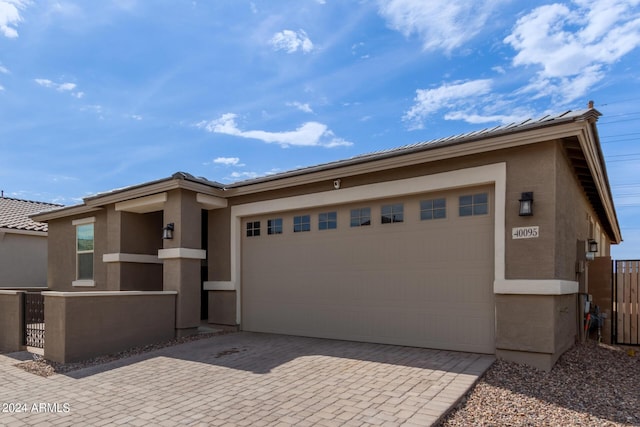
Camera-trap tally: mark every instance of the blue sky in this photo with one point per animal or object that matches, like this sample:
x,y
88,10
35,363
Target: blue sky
x,y
101,95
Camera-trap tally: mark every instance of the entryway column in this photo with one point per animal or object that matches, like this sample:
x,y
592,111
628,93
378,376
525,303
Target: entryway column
x,y
181,257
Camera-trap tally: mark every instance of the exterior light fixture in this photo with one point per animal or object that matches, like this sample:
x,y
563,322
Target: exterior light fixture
x,y
593,246
167,232
526,204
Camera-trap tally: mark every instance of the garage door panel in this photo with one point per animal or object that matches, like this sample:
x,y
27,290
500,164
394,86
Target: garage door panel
x,y
417,283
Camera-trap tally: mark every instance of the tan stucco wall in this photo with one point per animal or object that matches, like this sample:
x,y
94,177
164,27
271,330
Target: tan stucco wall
x,y
141,233
219,256
572,218
529,168
23,260
62,256
11,328
133,233
81,327
222,307
140,277
183,274
535,329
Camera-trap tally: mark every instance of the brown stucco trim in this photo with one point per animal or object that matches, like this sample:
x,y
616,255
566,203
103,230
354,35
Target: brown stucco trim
x,y
400,159
64,212
167,184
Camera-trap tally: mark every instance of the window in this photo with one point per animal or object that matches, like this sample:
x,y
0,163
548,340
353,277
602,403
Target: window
x,y
253,228
301,223
274,226
360,217
392,213
327,221
433,209
84,252
477,204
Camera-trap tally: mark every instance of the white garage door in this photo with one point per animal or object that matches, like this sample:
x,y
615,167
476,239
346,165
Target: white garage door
x,y
417,279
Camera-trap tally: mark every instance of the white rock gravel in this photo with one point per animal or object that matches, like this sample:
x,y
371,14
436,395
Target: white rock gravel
x,y
591,385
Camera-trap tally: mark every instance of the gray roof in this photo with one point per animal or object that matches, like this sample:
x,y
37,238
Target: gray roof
x,y
14,214
512,128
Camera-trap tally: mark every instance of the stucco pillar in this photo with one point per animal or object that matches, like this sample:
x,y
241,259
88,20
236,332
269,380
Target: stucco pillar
x,y
114,233
181,258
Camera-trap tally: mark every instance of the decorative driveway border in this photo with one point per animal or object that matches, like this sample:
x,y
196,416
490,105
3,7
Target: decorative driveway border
x,y
247,379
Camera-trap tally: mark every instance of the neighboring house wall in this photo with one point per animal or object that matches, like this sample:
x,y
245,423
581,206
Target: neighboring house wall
x,y
23,259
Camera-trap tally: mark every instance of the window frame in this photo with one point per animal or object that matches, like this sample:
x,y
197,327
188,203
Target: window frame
x,y
275,226
78,223
475,206
301,223
328,220
253,229
433,209
392,213
359,217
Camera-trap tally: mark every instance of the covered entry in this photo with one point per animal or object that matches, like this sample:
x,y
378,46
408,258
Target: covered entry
x,y
415,270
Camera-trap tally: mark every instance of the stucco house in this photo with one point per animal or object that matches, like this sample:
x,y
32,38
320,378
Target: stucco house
x,y
23,243
477,242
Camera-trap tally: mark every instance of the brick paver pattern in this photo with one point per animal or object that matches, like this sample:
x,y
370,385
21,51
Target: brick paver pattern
x,y
247,379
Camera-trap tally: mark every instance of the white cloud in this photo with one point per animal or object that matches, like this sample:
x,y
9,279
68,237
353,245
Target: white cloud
x,y
448,96
309,134
302,107
60,87
4,70
10,16
571,45
244,175
66,87
239,176
474,118
291,41
228,161
440,24
1,88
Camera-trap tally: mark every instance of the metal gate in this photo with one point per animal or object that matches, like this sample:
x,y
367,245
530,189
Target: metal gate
x,y
34,319
626,302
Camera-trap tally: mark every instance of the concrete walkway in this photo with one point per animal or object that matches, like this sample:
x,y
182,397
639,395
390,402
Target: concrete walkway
x,y
246,379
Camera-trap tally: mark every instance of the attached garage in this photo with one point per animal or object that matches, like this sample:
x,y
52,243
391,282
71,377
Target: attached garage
x,y
415,270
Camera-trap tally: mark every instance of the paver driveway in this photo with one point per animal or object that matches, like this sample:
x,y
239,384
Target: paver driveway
x,y
247,379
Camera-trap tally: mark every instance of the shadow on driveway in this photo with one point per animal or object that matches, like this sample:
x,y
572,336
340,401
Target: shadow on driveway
x,y
262,353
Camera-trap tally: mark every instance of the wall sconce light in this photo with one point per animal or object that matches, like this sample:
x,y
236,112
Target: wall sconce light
x,y
336,183
167,232
526,204
593,246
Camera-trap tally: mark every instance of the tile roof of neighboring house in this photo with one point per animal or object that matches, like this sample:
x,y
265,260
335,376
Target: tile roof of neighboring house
x,y
14,214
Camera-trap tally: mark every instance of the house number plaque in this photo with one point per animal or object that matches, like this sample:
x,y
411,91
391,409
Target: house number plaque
x,y
532,232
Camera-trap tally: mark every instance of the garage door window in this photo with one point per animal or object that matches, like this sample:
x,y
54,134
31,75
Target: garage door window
x,y
476,204
301,223
253,228
392,213
360,217
328,221
274,226
433,209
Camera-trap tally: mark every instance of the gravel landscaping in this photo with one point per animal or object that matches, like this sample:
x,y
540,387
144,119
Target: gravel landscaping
x,y
591,385
45,368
